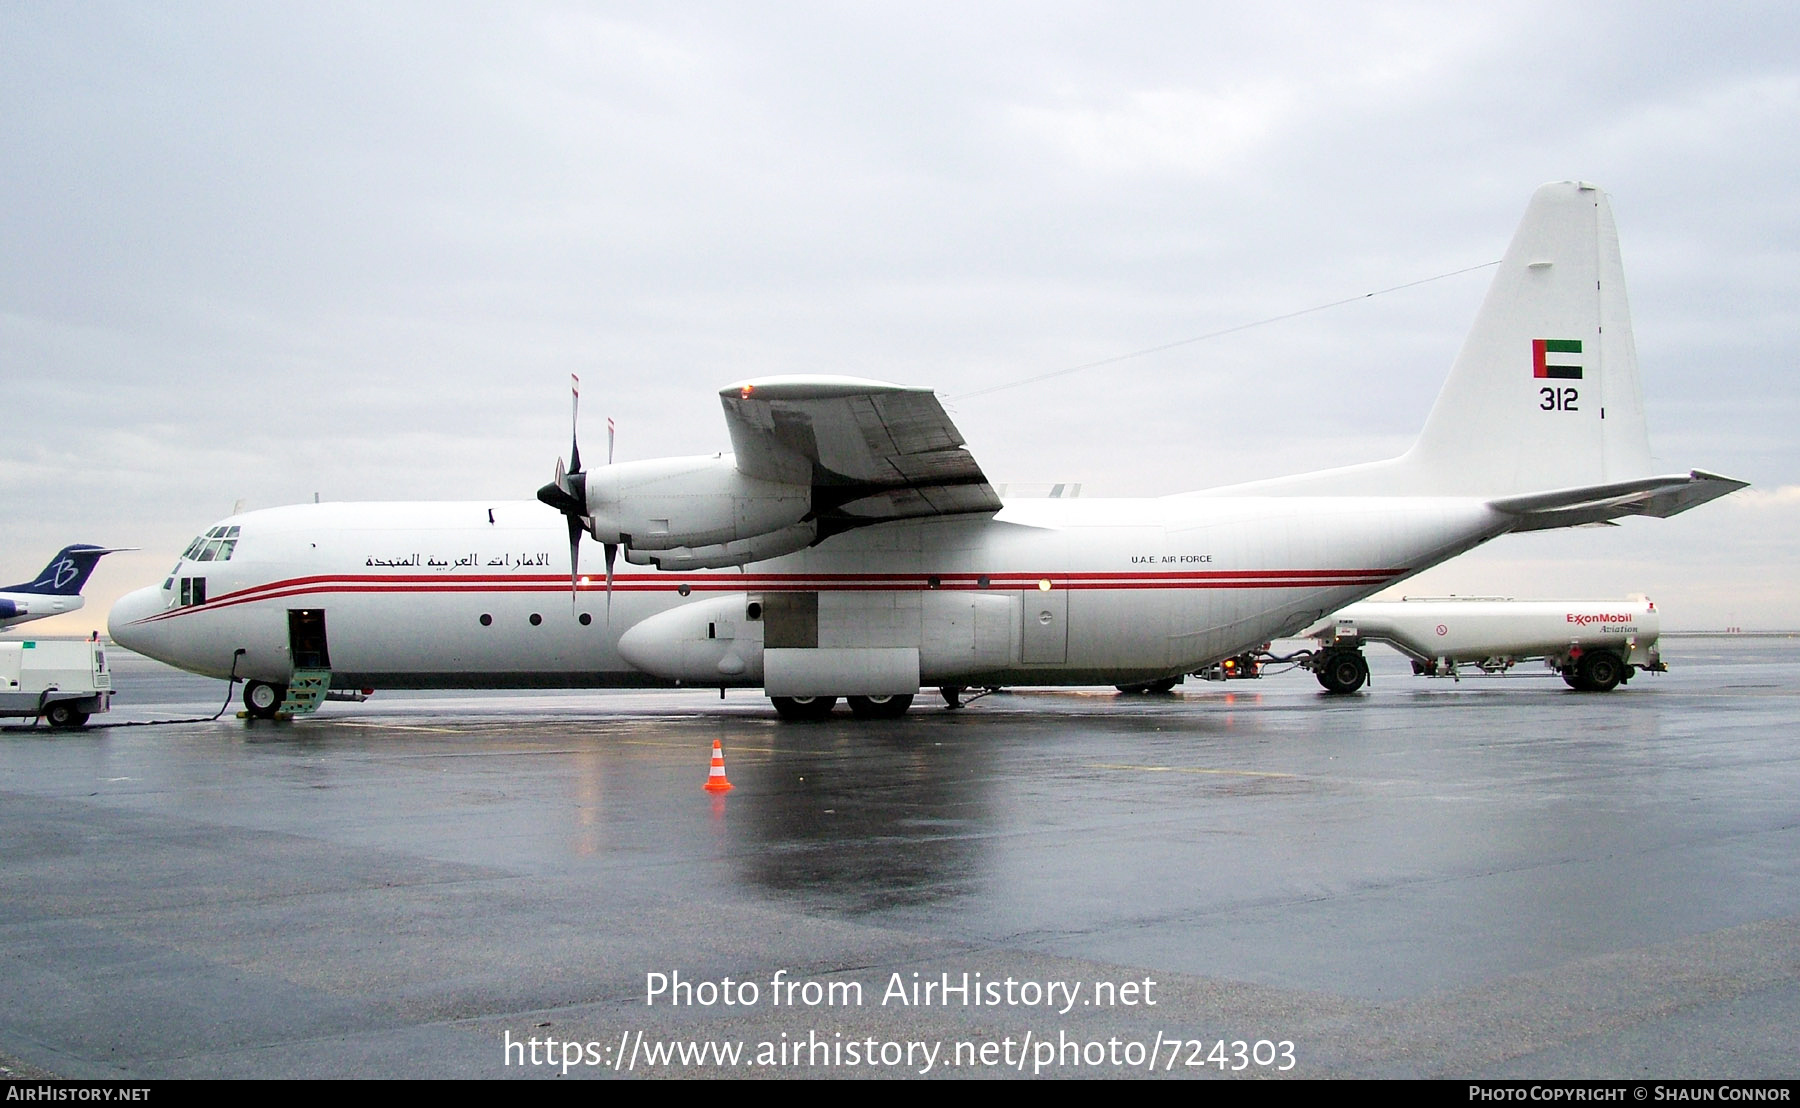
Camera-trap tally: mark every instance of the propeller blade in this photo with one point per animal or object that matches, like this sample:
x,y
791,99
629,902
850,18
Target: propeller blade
x,y
575,529
574,422
612,551
567,493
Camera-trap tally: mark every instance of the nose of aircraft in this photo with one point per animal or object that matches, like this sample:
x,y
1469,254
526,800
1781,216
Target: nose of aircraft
x,y
125,626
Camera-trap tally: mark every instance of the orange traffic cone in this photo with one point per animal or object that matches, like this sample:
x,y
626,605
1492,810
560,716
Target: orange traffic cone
x,y
715,780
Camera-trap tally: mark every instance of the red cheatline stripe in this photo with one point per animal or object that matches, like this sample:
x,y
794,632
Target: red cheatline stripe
x,y
796,582
800,581
905,578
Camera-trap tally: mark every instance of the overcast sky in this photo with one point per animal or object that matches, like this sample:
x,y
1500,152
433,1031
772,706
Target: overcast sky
x,y
254,252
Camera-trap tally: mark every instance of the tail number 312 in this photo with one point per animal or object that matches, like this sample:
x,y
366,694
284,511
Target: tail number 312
x,y
1558,399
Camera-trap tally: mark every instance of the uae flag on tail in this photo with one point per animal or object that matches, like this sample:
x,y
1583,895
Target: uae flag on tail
x,y
1542,350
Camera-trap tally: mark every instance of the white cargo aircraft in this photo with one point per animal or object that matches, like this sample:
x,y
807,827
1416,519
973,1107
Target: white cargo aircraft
x,y
850,547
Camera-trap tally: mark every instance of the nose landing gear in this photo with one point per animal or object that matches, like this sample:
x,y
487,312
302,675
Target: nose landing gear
x,y
262,699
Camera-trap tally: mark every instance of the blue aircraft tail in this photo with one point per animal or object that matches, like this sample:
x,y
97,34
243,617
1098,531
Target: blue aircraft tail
x,y
67,572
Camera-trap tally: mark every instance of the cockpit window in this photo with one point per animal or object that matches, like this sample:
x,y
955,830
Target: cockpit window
x,y
214,546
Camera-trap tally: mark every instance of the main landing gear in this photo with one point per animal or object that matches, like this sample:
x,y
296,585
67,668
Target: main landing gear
x,y
813,708
879,707
803,708
1152,688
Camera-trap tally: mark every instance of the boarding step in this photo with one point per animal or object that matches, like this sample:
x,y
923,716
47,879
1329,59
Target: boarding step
x,y
306,691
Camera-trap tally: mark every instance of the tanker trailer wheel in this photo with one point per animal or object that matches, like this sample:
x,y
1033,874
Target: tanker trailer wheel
x,y
1601,671
1343,672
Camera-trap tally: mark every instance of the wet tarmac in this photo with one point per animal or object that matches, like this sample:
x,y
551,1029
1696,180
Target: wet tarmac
x,y
1498,877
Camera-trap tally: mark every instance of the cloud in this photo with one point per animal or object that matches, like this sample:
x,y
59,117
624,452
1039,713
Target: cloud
x,y
253,253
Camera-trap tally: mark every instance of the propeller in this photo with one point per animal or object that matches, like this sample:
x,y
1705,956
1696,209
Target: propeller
x,y
567,493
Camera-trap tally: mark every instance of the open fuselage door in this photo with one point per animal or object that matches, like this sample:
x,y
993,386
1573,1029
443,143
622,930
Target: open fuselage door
x,y
311,654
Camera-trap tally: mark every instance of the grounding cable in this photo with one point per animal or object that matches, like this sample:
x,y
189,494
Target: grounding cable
x,y
1217,334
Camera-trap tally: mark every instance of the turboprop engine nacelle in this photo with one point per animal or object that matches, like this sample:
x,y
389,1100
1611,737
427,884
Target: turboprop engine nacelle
x,y
693,503
738,553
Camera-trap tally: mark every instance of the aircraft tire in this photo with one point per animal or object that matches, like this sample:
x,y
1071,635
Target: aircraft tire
x,y
879,707
64,715
1343,672
262,699
1601,671
1156,688
803,708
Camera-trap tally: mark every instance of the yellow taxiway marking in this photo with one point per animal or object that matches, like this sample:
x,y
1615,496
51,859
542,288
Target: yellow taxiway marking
x,y
1187,769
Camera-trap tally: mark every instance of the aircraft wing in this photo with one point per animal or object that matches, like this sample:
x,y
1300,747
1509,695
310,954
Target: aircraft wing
x,y
871,451
1649,496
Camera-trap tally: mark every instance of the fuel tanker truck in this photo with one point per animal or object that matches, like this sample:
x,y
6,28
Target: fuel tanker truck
x,y
1595,645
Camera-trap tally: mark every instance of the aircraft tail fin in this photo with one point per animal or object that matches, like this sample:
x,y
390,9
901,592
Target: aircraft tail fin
x,y
1545,393
1544,396
67,572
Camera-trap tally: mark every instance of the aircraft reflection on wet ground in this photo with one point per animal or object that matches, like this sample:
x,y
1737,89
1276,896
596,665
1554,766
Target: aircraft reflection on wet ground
x,y
1496,877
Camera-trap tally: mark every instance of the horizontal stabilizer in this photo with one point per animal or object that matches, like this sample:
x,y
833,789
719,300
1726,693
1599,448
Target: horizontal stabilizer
x,y
1649,496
